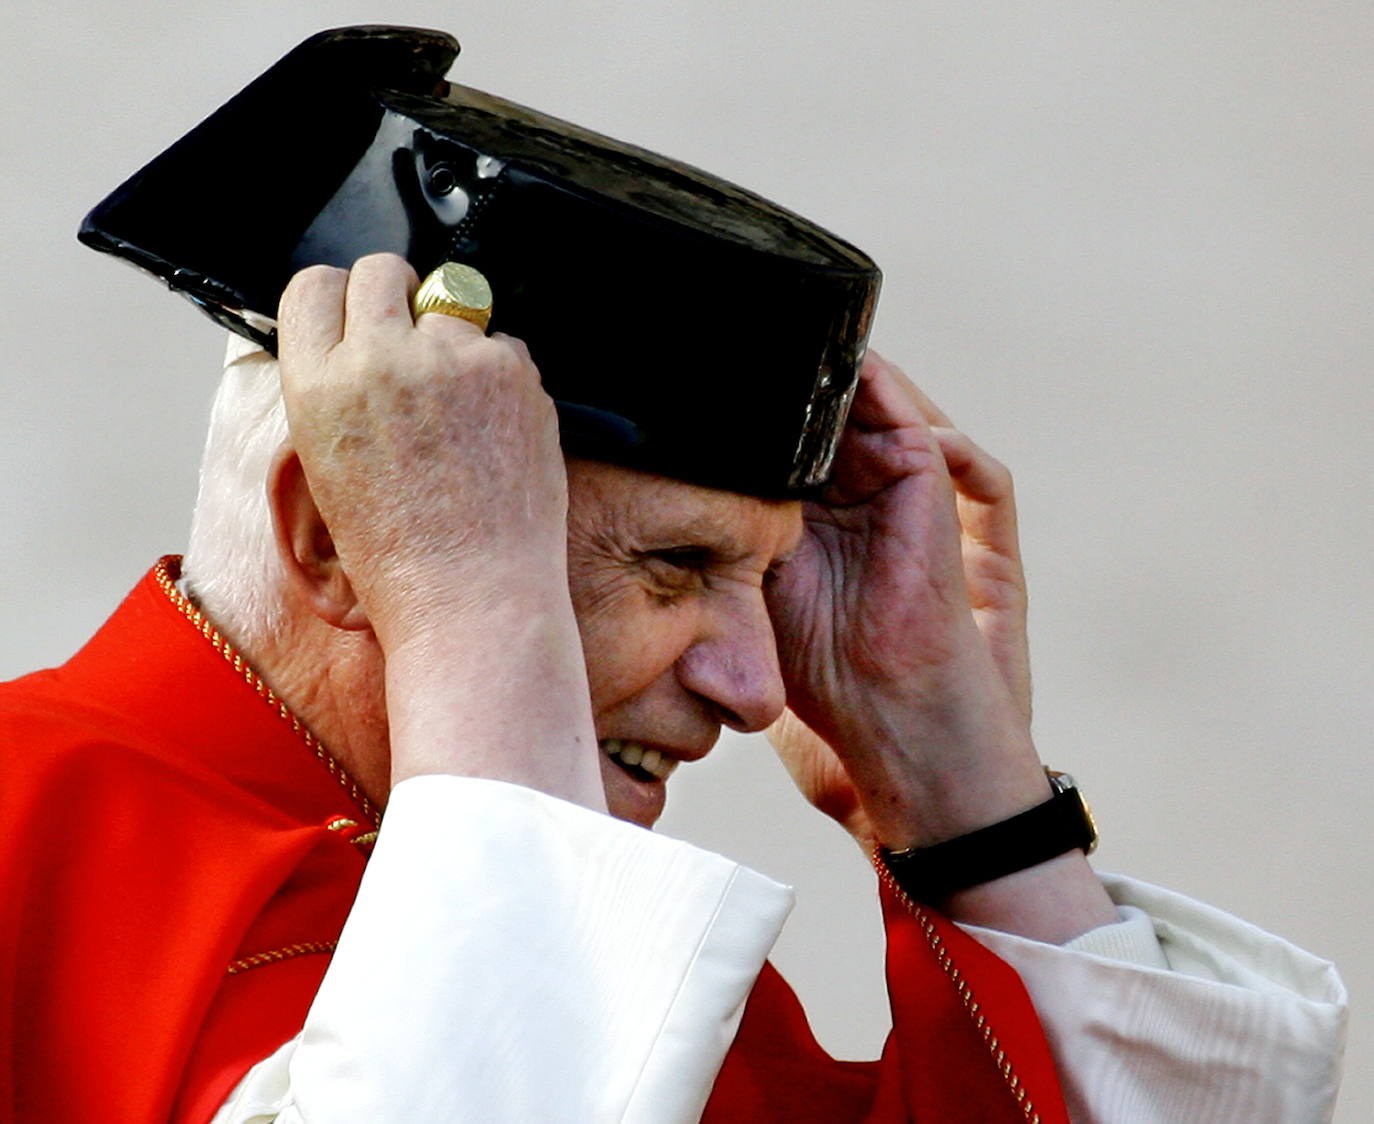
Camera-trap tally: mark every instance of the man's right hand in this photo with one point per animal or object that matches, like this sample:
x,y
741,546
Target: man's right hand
x,y
431,450
431,454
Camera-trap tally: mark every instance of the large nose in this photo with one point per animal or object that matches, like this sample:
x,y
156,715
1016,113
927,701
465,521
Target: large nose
x,y
733,665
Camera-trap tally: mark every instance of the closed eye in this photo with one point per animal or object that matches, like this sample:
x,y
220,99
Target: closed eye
x,y
686,557
676,571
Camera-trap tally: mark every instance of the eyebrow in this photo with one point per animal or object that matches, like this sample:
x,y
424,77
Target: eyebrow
x,y
717,546
706,532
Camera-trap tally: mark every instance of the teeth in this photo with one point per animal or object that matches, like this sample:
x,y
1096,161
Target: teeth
x,y
652,761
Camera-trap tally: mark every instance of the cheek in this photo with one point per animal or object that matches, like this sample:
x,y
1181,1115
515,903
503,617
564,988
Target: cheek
x,y
629,647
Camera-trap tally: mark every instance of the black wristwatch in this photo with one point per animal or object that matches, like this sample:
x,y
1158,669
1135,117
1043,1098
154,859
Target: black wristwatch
x,y
1061,824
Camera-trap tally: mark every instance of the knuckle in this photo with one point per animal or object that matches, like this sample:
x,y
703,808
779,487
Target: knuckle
x,y
515,344
500,360
319,274
381,260
384,267
308,289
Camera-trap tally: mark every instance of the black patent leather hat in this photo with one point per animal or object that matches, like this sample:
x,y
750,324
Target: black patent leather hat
x,y
725,332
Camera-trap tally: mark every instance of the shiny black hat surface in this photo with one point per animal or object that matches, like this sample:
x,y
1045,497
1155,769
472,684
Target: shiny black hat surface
x,y
683,325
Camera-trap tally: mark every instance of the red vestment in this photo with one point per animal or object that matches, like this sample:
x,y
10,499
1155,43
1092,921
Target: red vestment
x,y
181,855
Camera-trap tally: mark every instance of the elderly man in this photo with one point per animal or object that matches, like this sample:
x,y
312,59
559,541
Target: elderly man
x,y
405,592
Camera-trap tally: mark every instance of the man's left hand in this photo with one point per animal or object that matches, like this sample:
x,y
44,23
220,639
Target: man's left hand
x,y
901,627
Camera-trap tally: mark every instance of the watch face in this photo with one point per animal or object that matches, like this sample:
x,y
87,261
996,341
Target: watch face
x,y
1063,782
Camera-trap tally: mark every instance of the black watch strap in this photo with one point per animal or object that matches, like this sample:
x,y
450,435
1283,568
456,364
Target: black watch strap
x,y
1061,824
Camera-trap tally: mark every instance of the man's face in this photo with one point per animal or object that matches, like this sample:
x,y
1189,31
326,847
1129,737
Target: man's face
x,y
667,582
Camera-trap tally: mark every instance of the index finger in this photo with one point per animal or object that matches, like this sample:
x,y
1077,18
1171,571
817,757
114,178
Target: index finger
x,y
310,316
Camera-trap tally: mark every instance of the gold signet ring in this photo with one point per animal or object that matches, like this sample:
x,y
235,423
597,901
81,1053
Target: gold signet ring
x,y
455,290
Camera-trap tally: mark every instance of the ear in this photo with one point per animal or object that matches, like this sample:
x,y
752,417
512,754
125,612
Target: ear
x,y
306,548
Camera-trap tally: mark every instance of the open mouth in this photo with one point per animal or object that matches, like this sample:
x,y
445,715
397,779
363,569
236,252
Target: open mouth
x,y
647,765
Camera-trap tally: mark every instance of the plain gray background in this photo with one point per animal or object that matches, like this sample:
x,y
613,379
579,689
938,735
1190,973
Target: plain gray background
x,y
1127,246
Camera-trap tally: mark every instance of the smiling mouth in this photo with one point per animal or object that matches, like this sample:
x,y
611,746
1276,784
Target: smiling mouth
x,y
644,764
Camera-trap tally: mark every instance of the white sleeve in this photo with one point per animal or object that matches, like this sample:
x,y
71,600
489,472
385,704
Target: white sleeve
x,y
1184,1013
513,957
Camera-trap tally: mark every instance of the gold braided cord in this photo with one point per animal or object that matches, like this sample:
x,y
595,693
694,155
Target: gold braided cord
x,y
961,986
166,573
275,955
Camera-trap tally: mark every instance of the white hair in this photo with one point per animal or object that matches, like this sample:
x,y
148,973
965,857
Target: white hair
x,y
231,569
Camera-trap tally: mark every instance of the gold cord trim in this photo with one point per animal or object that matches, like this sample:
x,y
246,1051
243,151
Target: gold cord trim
x,y
166,572
343,823
956,977
273,956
